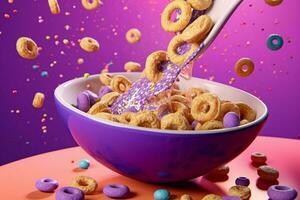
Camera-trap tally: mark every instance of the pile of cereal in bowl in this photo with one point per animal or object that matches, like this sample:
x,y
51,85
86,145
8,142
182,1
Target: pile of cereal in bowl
x,y
191,109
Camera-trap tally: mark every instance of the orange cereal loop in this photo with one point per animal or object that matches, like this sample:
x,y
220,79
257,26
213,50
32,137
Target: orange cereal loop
x,y
27,48
132,66
38,100
212,197
240,64
89,44
198,30
210,125
185,16
246,112
109,98
97,108
205,107
133,35
54,6
87,184
90,4
228,107
200,4
145,119
105,78
174,55
175,121
120,84
152,71
273,2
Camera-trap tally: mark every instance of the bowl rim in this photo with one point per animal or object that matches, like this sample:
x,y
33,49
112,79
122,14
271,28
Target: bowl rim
x,y
161,131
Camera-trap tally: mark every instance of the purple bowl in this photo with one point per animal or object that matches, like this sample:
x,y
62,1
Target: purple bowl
x,y
152,155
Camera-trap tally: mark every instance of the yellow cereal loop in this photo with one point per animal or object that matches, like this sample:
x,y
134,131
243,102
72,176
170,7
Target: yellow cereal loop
x,y
243,122
181,99
175,121
145,119
191,93
89,44
120,84
210,125
185,16
198,30
205,107
133,35
132,67
90,4
126,117
152,70
228,107
108,116
27,48
246,112
109,98
97,108
87,184
200,4
54,6
105,78
241,191
38,100
174,55
212,197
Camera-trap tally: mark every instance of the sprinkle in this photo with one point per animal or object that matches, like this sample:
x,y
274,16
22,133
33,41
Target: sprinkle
x,y
86,75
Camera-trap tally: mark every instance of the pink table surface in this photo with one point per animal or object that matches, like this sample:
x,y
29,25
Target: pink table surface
x,y
18,178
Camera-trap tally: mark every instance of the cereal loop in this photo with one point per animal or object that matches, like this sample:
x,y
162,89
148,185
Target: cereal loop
x,y
173,54
105,78
244,121
145,119
133,35
109,98
87,184
181,99
89,44
125,118
54,6
246,112
97,108
198,30
244,62
107,116
38,100
205,107
152,70
241,191
132,67
228,107
120,84
273,2
175,121
90,4
210,125
27,48
194,92
200,4
182,22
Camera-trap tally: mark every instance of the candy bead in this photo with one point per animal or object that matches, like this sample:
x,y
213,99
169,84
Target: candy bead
x,y
212,197
44,73
116,190
85,100
258,157
103,91
185,197
220,171
281,192
244,181
241,191
268,173
231,119
161,194
46,185
84,164
271,42
194,124
69,193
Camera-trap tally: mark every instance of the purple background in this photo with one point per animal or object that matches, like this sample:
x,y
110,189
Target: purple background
x,y
275,79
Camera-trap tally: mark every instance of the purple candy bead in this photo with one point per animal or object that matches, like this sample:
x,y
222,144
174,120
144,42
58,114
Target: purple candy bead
x,y
231,119
103,91
231,198
85,100
69,193
116,190
194,124
46,184
281,192
93,97
244,181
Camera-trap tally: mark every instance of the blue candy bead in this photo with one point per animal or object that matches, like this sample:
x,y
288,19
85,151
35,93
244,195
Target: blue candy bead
x,y
244,181
272,45
281,192
161,194
84,164
44,73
